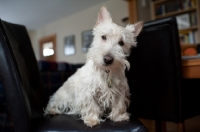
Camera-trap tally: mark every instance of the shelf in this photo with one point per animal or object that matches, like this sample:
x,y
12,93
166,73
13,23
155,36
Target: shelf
x,y
175,13
184,46
192,62
192,28
188,45
189,37
161,1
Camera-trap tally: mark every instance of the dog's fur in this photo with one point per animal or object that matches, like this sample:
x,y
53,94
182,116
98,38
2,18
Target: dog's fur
x,y
101,84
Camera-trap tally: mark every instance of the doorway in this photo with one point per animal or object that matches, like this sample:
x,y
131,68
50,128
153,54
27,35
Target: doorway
x,y
47,47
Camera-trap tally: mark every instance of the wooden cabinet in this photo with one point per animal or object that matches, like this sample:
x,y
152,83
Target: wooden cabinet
x,y
187,13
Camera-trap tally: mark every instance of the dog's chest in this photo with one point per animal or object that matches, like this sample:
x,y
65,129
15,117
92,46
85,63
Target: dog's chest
x,y
107,91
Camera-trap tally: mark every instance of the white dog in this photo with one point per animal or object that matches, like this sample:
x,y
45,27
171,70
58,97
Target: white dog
x,y
100,85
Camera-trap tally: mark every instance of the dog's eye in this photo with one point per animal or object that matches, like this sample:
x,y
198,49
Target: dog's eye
x,y
103,37
121,43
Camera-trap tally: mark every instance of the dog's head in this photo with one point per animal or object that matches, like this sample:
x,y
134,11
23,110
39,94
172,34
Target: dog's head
x,y
112,43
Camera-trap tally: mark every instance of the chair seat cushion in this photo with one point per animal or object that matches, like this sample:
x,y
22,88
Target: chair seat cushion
x,y
73,123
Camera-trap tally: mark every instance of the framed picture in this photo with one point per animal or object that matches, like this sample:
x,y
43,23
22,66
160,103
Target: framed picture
x,y
69,45
87,38
183,21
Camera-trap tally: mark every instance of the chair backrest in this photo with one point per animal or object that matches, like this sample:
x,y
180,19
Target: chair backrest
x,y
155,74
20,76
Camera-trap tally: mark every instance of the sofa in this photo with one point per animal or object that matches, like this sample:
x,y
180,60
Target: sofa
x,y
53,75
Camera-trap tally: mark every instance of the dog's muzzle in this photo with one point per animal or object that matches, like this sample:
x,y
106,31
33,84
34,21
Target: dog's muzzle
x,y
108,59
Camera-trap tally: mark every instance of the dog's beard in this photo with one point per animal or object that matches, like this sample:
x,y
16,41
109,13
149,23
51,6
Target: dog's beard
x,y
116,67
119,60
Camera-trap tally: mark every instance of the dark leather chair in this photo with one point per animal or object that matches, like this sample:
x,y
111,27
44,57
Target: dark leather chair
x,y
23,88
158,89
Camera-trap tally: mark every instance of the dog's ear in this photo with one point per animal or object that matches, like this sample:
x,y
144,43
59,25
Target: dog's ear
x,y
138,27
135,28
103,16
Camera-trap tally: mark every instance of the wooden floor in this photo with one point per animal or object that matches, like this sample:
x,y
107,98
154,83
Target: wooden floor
x,y
191,125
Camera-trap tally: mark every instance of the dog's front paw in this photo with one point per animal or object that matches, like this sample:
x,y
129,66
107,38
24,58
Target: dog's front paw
x,y
54,112
121,117
91,122
51,111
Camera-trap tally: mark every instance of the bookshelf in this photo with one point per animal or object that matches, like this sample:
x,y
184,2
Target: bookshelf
x,y
187,13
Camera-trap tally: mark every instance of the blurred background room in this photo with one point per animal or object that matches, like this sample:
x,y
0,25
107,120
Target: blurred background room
x,y
61,33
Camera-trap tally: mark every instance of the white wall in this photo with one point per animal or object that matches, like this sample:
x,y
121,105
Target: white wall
x,y
143,10
75,24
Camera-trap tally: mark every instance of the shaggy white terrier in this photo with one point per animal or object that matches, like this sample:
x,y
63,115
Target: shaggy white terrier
x,y
100,85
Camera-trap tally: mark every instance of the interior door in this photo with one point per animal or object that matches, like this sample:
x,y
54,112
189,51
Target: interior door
x,y
47,47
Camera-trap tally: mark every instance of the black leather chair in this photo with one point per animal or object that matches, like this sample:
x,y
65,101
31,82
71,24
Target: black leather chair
x,y
22,84
158,89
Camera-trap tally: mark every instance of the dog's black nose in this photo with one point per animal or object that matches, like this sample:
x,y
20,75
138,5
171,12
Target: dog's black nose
x,y
108,59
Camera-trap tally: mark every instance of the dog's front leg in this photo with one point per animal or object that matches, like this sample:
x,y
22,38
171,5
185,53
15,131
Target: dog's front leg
x,y
118,112
91,114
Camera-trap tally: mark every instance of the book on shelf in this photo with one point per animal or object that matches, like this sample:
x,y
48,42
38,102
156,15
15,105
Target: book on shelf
x,y
183,21
173,6
191,38
193,18
188,38
188,3
186,20
160,9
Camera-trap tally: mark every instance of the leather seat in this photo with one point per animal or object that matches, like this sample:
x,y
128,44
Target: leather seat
x,y
23,88
158,89
74,123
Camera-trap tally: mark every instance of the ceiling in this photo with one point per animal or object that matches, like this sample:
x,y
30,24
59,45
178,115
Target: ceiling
x,y
36,13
